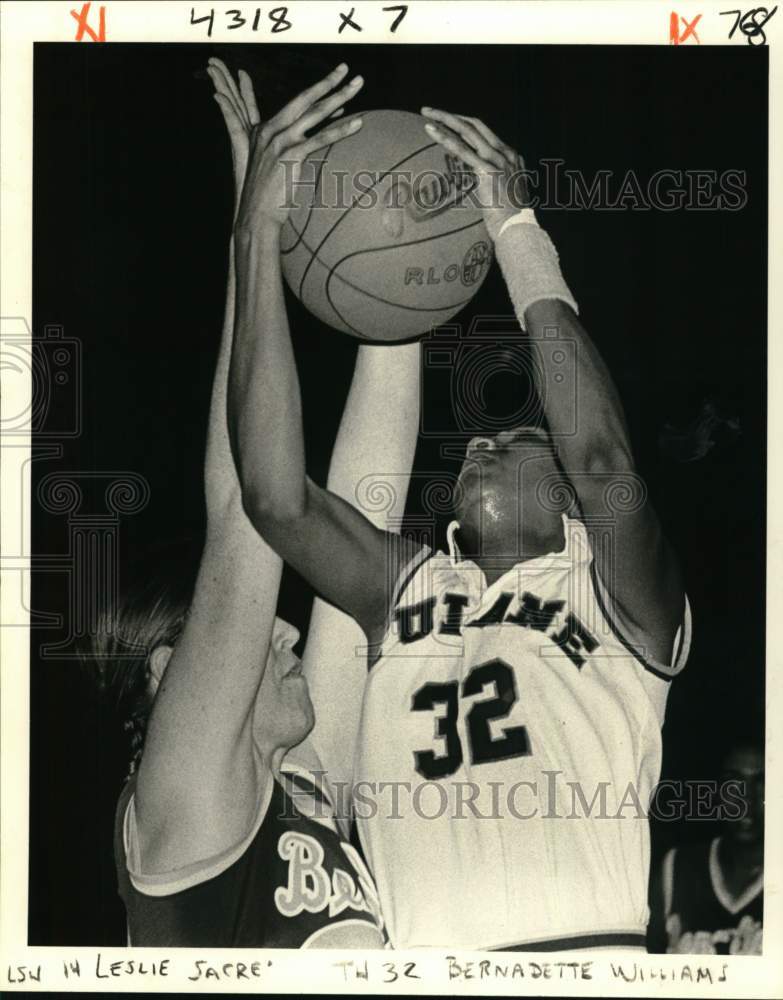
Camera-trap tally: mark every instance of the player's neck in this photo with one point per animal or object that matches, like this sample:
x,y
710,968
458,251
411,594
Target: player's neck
x,y
498,555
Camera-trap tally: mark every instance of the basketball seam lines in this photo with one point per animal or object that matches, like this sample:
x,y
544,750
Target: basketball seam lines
x,y
410,156
377,298
300,236
391,246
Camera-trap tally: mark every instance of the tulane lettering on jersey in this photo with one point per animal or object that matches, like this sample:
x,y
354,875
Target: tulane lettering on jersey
x,y
481,694
526,611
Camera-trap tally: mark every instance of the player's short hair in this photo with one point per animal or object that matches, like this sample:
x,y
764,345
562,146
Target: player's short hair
x,y
151,612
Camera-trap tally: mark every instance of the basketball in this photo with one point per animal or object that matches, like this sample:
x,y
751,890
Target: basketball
x,y
382,241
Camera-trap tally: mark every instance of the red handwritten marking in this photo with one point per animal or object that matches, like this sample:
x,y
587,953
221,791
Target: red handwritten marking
x,y
675,36
81,20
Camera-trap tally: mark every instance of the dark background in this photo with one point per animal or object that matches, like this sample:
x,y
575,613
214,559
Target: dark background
x,y
132,205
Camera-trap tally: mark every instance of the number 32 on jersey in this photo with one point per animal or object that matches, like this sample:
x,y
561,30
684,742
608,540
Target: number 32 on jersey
x,y
482,747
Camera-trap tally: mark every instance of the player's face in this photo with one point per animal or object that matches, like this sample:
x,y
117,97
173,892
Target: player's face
x,y
284,712
505,481
745,766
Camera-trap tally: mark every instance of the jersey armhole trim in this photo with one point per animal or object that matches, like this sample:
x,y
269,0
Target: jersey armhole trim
x,y
178,879
682,639
407,574
404,580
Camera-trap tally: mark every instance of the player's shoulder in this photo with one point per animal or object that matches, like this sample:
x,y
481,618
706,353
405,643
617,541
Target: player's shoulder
x,y
627,632
120,829
126,794
151,877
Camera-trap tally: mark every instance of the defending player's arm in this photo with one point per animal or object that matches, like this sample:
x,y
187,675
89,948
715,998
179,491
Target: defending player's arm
x,y
377,436
200,782
341,554
642,574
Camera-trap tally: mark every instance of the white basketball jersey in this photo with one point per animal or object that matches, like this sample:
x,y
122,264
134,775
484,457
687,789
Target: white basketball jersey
x,y
509,744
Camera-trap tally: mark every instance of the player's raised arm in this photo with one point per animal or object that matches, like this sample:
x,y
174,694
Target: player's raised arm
x,y
341,554
370,467
641,573
200,779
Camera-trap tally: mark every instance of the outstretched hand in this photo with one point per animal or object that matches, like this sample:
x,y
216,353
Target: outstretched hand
x,y
279,146
502,188
240,113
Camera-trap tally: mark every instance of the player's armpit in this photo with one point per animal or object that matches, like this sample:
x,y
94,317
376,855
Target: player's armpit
x,y
638,571
341,554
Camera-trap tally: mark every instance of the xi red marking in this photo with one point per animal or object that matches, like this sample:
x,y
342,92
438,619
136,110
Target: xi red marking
x,y
81,20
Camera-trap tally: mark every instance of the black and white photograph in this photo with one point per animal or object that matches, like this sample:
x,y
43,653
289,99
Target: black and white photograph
x,y
397,553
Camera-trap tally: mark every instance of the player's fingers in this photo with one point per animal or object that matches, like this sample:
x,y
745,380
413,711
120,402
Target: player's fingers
x,y
328,135
249,97
220,67
233,122
452,142
297,107
323,109
469,134
220,79
511,155
231,88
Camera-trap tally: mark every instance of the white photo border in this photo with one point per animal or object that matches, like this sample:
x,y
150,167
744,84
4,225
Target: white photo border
x,y
620,22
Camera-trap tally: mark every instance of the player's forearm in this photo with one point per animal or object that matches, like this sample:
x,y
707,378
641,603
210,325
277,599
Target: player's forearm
x,y
585,397
375,446
586,400
220,477
379,427
265,417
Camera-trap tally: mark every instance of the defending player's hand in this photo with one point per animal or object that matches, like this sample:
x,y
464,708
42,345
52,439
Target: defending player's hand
x,y
279,146
502,188
240,113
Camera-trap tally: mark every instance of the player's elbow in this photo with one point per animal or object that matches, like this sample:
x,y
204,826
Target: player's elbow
x,y
267,507
605,458
608,480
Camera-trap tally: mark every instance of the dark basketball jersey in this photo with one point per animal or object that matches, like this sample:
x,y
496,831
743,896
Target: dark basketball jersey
x,y
701,916
294,882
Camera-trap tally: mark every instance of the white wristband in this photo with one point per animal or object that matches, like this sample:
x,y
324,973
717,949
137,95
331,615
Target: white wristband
x,y
525,216
531,267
